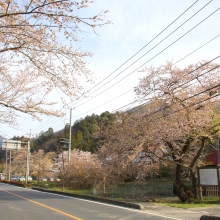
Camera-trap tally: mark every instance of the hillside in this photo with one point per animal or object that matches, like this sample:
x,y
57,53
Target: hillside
x,y
83,134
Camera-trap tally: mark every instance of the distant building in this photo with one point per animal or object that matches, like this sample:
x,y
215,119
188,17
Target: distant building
x,y
213,158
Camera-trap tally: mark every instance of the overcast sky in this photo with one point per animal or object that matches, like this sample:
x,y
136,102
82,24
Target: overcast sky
x,y
134,25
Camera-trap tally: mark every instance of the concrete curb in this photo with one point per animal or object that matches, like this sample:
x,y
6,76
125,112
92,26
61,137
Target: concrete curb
x,y
209,217
97,199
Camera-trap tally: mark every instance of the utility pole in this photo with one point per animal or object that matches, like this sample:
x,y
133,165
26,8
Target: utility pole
x,y
28,160
69,149
9,169
6,164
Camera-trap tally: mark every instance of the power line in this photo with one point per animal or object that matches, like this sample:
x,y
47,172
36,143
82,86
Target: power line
x,y
176,62
145,55
151,98
141,99
106,102
135,53
197,48
144,46
153,57
181,60
193,104
142,105
199,66
199,93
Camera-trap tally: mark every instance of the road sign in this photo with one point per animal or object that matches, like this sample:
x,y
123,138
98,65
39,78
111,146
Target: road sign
x,y
11,145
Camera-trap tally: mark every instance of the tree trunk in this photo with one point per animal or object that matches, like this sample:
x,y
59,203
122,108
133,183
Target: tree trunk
x,y
180,189
194,184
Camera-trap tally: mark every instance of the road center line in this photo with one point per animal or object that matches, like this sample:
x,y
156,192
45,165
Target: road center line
x,y
45,206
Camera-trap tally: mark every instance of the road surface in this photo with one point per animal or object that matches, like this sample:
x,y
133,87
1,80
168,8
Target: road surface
x,y
18,203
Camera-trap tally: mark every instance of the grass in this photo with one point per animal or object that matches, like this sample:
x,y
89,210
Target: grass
x,y
175,202
77,191
167,201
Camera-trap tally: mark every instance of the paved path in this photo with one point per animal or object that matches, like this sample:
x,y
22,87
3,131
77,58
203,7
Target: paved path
x,y
184,214
19,203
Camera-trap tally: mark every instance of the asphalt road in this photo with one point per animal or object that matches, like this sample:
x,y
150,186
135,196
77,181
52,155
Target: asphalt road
x,y
25,204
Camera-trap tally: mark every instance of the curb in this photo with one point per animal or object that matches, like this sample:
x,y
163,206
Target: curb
x,y
209,217
97,199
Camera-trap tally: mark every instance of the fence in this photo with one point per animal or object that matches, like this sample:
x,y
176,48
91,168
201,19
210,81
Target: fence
x,y
139,193
210,191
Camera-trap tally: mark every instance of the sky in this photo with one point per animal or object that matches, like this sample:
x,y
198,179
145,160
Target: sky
x,y
136,25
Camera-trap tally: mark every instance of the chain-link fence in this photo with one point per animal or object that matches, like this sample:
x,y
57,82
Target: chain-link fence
x,y
139,193
124,192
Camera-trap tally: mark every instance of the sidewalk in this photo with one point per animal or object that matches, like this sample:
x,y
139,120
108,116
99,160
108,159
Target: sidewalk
x,y
180,213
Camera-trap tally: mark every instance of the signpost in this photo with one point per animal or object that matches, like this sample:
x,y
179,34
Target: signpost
x,y
209,176
11,145
15,145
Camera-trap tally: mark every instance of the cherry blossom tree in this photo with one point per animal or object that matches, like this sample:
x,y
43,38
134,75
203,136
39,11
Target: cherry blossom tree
x,y
85,169
18,164
176,124
41,164
185,117
39,55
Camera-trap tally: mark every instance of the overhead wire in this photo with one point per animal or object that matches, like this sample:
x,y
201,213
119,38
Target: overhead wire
x,y
145,45
199,93
187,73
135,53
178,62
166,107
193,104
155,45
76,116
141,99
154,56
148,52
139,106
197,49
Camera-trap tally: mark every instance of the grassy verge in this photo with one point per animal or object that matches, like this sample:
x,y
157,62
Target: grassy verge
x,y
167,200
57,186
78,191
175,202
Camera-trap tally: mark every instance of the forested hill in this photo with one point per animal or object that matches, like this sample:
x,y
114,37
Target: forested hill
x,y
83,134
